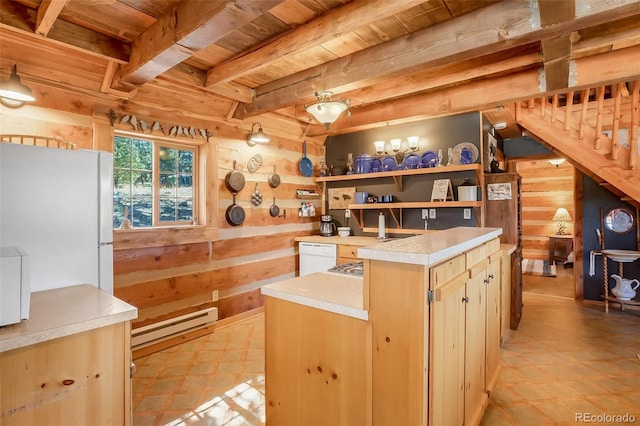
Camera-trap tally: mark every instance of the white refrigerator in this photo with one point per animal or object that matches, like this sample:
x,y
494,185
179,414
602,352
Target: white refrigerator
x,y
57,206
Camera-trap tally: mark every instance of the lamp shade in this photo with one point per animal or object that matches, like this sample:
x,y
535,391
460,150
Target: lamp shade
x,y
379,146
258,136
326,111
562,214
395,144
413,141
14,89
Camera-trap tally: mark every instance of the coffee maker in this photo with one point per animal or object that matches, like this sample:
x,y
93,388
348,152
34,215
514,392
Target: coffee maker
x,y
327,227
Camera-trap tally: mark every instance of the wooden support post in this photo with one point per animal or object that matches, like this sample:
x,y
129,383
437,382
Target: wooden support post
x,y
554,108
543,101
584,98
616,122
633,130
567,111
599,117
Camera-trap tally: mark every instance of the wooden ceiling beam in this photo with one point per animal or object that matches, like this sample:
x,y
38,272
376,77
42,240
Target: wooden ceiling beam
x,y
482,94
556,52
500,26
179,34
327,27
48,12
21,19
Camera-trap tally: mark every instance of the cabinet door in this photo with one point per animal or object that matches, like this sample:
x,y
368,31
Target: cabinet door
x,y
505,295
447,353
493,319
474,370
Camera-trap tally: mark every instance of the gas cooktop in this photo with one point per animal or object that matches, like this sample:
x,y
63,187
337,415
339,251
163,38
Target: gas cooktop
x,y
354,268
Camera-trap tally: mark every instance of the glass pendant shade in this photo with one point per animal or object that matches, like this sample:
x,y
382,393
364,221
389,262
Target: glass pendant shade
x,y
325,110
14,89
379,146
413,142
395,144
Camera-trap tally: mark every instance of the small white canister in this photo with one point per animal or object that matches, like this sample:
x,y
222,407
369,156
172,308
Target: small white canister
x,y
467,191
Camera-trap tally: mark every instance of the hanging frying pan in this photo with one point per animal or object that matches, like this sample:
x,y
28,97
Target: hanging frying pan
x,y
306,168
234,180
274,210
235,213
274,179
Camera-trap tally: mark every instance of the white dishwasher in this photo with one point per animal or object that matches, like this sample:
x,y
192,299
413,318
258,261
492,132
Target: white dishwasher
x,y
316,257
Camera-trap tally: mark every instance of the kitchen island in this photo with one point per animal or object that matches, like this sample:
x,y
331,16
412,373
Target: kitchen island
x,y
70,362
431,301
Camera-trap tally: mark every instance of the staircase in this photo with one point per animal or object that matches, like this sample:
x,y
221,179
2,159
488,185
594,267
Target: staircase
x,y
596,128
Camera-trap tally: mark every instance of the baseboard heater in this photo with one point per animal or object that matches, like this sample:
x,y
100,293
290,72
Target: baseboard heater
x,y
163,330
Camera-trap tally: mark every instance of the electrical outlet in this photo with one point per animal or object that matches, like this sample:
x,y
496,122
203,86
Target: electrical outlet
x,y
215,296
425,214
432,213
347,213
467,213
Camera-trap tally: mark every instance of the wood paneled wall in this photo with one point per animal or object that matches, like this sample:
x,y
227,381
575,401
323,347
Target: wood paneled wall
x,y
164,279
544,188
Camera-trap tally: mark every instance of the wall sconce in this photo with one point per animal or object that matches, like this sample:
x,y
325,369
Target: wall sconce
x,y
327,111
379,147
13,93
257,136
556,161
561,216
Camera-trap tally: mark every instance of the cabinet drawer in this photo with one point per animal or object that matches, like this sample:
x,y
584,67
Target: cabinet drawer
x,y
476,255
447,270
348,251
493,246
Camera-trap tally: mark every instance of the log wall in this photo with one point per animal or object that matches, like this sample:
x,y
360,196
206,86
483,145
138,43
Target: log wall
x,y
168,273
544,188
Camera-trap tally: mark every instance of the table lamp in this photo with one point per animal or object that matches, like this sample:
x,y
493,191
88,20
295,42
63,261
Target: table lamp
x,y
561,216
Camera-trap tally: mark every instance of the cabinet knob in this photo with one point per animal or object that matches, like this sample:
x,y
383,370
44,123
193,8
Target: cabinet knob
x,y
490,276
465,299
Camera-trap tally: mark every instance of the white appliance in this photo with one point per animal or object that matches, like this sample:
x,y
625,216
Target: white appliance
x,y
57,206
316,257
15,289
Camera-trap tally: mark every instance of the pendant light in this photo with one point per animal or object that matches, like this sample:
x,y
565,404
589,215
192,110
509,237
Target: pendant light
x,y
12,92
327,111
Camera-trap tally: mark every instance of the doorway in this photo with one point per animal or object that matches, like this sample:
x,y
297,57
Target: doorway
x,y
545,188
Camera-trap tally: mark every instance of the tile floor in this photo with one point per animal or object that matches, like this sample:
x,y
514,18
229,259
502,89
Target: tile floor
x,y
566,359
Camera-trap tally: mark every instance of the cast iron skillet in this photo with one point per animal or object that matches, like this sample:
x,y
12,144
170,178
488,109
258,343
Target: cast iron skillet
x,y
274,210
234,180
306,168
235,213
274,179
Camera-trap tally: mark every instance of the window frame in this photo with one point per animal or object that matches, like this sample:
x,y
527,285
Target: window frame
x,y
171,143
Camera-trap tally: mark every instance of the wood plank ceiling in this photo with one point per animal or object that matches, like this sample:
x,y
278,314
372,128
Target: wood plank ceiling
x,y
232,60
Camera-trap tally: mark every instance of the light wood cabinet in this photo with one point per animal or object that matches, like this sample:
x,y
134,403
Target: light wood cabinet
x,y
80,379
70,362
493,324
317,366
347,253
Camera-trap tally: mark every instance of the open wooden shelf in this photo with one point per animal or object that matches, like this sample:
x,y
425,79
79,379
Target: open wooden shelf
x,y
397,175
415,205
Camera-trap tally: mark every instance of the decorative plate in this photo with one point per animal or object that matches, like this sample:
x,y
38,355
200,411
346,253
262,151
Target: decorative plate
x,y
254,163
389,163
457,150
411,161
429,159
619,221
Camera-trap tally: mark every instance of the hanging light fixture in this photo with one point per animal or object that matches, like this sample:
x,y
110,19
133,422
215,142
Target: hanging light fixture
x,y
13,93
257,136
556,161
326,110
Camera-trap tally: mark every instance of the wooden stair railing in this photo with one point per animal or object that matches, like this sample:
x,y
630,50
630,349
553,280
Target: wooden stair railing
x,y
588,126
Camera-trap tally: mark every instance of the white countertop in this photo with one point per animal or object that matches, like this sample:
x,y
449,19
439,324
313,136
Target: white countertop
x,y
431,248
332,292
65,311
351,240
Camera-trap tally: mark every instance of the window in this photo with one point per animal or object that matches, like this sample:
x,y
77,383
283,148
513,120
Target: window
x,y
153,183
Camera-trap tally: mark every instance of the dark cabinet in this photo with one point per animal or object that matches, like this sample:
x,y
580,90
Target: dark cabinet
x,y
502,210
